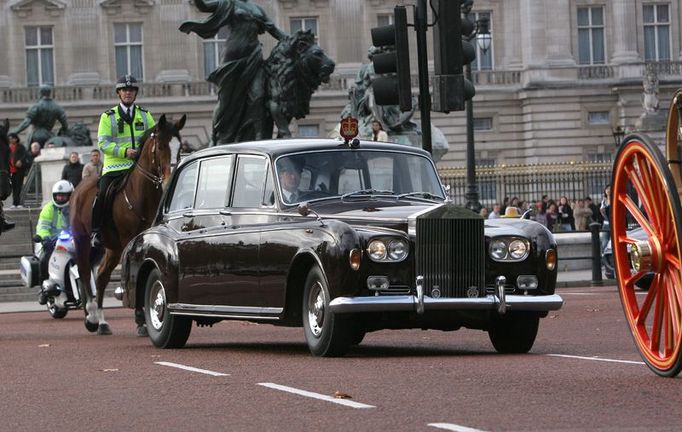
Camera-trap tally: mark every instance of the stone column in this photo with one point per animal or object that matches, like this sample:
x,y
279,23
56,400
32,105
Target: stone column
x,y
510,43
532,33
558,33
624,32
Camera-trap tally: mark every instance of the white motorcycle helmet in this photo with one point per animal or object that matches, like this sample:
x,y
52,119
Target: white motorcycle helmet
x,y
64,189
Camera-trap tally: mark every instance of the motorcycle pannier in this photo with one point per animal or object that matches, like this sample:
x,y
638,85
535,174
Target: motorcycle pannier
x,y
30,271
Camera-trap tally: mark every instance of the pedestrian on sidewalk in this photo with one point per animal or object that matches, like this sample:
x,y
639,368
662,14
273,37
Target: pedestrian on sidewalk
x,y
17,168
73,170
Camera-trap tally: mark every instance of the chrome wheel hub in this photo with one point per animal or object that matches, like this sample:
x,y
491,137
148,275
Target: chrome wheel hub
x,y
316,302
157,310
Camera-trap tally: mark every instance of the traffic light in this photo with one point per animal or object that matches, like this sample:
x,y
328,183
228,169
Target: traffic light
x,y
392,63
452,51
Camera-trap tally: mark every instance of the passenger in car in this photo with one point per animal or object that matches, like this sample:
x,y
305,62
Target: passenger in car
x,y
289,179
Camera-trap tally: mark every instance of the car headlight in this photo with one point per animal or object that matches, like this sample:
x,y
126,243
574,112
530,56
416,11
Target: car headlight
x,y
388,250
510,249
498,250
518,249
397,249
377,250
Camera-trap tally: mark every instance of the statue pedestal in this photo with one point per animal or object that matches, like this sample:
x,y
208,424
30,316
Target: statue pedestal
x,y
652,122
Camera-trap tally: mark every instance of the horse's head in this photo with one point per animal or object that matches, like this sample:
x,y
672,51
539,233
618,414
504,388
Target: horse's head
x,y
156,148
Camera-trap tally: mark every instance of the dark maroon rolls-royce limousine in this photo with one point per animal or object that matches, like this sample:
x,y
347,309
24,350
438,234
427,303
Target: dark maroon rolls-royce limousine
x,y
341,239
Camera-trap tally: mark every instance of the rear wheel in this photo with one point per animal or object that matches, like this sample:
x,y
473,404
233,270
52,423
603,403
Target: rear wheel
x,y
328,334
165,330
644,190
514,333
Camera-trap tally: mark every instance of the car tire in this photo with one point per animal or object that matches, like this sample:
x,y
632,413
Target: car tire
x,y
514,333
165,330
327,334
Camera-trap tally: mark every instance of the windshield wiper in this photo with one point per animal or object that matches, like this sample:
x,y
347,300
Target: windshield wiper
x,y
424,195
367,192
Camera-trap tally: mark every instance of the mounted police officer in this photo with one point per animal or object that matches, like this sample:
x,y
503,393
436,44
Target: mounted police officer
x,y
119,138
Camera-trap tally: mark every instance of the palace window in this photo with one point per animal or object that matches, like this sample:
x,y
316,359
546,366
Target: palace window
x,y
39,55
212,50
128,45
309,131
309,23
598,118
384,20
591,35
656,32
483,123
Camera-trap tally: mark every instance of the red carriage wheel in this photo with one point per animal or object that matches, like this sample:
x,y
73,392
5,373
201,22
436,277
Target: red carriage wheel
x,y
644,191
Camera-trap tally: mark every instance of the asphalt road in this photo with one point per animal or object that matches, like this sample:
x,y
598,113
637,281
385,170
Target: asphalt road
x,y
582,374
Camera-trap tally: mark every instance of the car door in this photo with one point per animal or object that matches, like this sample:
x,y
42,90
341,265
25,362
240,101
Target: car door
x,y
203,251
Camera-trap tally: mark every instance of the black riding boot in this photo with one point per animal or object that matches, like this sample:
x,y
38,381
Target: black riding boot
x,y
5,225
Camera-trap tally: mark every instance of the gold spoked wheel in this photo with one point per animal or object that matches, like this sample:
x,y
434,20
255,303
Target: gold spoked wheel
x,y
644,191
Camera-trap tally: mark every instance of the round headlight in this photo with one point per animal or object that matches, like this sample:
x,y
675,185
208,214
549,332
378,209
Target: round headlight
x,y
397,250
377,250
518,249
498,249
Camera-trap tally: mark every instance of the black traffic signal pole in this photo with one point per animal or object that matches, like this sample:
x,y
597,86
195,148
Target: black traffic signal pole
x,y
420,26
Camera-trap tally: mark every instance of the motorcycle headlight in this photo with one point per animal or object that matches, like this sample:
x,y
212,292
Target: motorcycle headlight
x,y
377,250
397,250
518,249
498,250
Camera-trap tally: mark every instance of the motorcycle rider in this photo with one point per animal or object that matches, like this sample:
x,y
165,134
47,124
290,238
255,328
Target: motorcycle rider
x,y
54,217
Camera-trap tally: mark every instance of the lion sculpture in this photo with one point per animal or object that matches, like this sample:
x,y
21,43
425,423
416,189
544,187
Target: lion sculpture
x,y
297,66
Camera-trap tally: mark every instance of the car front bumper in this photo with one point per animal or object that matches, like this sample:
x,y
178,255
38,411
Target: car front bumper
x,y
420,302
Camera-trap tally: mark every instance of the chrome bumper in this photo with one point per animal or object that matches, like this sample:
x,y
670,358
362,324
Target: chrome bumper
x,y
420,303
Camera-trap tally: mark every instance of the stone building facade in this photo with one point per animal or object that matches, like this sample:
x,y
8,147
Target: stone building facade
x,y
559,77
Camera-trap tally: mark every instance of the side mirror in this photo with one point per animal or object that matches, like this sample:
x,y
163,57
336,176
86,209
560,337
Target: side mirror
x,y
304,209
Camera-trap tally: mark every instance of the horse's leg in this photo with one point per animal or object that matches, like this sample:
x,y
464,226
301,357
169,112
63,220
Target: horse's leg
x,y
109,262
85,286
140,321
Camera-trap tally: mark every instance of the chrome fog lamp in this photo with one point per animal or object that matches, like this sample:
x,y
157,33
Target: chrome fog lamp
x,y
377,283
518,249
397,250
498,249
377,250
527,282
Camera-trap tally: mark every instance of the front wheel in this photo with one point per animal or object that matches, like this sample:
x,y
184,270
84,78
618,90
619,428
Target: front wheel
x,y
328,334
514,333
165,330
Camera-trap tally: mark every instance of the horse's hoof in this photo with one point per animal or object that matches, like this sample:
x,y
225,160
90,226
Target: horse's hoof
x,y
92,327
103,330
142,331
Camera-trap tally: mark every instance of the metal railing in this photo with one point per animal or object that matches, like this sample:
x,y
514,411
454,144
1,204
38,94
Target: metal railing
x,y
530,182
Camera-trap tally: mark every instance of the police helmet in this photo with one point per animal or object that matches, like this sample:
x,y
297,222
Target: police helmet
x,y
64,189
126,81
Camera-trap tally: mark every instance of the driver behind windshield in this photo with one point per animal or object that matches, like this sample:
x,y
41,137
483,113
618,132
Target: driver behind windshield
x,y
289,172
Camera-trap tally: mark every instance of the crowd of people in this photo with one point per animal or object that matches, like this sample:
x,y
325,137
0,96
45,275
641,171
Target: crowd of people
x,y
559,215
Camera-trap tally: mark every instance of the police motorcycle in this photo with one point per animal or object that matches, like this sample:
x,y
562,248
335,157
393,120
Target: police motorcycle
x,y
59,289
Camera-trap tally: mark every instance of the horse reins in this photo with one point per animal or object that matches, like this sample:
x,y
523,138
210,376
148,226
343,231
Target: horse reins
x,y
157,180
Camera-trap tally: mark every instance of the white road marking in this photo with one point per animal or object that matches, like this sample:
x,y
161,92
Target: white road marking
x,y
453,427
596,359
578,293
305,393
191,369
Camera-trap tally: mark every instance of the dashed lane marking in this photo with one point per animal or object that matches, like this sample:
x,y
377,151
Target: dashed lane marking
x,y
453,427
191,369
596,359
326,398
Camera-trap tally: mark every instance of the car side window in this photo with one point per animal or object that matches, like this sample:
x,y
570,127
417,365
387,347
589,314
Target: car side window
x,y
269,194
250,180
215,176
185,186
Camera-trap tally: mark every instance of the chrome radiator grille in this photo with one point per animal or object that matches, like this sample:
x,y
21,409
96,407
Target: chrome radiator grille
x,y
450,255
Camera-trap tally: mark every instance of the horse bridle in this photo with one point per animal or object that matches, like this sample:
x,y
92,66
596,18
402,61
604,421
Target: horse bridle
x,y
156,179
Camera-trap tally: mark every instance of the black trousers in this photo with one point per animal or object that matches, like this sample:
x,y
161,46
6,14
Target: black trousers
x,y
98,207
45,254
17,183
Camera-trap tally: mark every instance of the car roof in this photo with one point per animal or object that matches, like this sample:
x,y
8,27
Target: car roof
x,y
276,148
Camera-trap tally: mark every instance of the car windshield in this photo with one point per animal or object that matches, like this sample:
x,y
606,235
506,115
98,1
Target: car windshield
x,y
356,174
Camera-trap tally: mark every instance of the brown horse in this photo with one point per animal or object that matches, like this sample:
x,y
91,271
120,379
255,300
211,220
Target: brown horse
x,y
132,211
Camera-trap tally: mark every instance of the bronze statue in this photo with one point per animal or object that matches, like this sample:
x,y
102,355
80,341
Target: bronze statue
x,y
245,98
42,116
